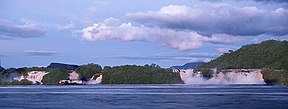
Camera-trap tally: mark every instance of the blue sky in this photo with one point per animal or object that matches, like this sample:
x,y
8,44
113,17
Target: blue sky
x,y
119,32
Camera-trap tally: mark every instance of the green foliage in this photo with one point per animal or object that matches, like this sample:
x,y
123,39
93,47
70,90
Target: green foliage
x,y
15,82
132,74
55,75
275,76
3,73
269,54
87,71
22,82
24,71
206,72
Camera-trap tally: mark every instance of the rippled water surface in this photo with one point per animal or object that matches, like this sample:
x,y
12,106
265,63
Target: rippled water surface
x,y
145,96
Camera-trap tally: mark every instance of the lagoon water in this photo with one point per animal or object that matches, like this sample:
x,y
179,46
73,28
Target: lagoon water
x,y
144,97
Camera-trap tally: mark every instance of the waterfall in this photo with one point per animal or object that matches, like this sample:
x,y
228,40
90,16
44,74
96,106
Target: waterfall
x,y
34,76
228,76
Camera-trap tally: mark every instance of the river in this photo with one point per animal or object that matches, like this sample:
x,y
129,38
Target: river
x,y
144,96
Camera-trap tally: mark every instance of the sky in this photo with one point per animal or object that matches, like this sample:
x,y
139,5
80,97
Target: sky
x,y
120,32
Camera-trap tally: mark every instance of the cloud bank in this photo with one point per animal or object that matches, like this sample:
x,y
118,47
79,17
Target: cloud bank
x,y
28,30
39,53
217,19
188,28
181,40
276,1
193,57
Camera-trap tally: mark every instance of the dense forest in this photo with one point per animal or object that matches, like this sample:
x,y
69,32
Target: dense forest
x,y
132,74
271,56
128,74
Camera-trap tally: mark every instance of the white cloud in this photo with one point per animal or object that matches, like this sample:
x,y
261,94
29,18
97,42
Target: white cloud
x,y
223,50
181,40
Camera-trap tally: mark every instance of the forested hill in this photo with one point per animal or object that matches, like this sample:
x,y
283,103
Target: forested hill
x,y
270,54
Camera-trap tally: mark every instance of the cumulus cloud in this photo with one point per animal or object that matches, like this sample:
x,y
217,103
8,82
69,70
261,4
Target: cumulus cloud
x,y
39,53
217,18
181,40
28,30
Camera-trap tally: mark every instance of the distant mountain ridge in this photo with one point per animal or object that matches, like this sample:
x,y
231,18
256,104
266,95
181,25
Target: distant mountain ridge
x,y
269,54
65,66
188,65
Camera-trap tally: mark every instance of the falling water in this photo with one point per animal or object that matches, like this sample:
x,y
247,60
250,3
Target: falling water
x,y
229,76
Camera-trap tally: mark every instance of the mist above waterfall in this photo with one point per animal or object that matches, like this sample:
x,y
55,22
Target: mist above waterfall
x,y
235,76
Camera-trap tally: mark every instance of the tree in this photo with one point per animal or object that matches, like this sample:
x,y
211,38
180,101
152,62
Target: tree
x,y
55,75
87,71
132,74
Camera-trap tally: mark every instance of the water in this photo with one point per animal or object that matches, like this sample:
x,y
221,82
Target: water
x,y
144,96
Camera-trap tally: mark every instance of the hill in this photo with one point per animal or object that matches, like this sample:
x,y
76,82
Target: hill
x,y
188,65
64,66
270,54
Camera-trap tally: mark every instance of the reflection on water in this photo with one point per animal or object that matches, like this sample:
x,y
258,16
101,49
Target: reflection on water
x,y
145,96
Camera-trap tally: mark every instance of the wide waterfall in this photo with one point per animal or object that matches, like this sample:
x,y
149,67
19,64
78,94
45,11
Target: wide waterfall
x,y
34,76
228,76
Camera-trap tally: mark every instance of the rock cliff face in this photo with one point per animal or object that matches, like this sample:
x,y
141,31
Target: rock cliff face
x,y
228,76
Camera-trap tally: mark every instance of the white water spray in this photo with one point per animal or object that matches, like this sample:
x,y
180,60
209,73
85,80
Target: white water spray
x,y
229,76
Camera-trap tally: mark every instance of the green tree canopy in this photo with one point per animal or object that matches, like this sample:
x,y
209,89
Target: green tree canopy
x,y
132,74
87,71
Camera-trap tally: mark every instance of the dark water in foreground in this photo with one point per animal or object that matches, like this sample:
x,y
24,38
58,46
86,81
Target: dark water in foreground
x,y
144,96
